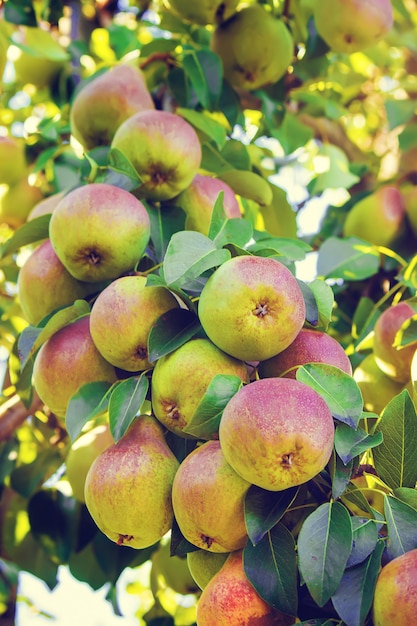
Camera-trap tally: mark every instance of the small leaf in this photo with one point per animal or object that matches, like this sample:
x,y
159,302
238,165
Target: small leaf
x,y
292,249
324,296
125,403
30,232
205,123
196,76
341,473
170,331
324,546
20,12
365,538
406,495
90,400
350,443
118,162
271,567
234,231
351,259
166,219
401,526
337,174
264,509
312,311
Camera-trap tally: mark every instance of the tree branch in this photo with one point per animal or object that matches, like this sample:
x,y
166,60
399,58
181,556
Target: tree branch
x,y
13,413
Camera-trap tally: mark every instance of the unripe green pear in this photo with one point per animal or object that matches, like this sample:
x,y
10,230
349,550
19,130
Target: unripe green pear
x,y
81,455
208,498
99,231
128,486
249,61
376,387
377,218
394,362
13,166
41,58
101,105
204,11
163,148
122,317
173,569
181,378
252,307
309,346
352,25
204,565
277,433
17,201
395,595
65,362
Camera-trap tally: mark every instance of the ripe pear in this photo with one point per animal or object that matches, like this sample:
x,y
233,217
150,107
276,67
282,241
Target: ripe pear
x,y
81,455
376,387
230,599
173,570
277,433
122,317
395,595
208,497
181,378
204,11
249,61
377,218
41,57
13,166
107,100
99,231
252,307
128,486
352,25
203,565
44,284
198,201
17,201
393,362
309,346
164,149
65,362
46,206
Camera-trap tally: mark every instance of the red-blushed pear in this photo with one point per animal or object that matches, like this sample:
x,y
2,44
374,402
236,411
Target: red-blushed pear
x,y
65,362
107,100
394,362
46,206
395,595
181,378
17,201
99,231
204,11
122,317
376,387
277,433
251,62
203,565
198,202
229,599
378,218
252,307
208,497
163,148
13,166
128,486
44,284
81,455
309,346
352,25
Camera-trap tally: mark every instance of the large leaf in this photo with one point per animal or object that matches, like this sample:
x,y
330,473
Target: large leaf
x,y
351,259
337,173
210,127
125,403
165,221
264,509
324,546
31,232
271,567
401,526
89,401
350,443
396,457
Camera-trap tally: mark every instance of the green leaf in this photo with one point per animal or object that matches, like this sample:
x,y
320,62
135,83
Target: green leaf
x,y
396,457
20,12
30,232
28,477
337,174
324,546
407,334
338,389
292,249
204,424
406,495
354,499
89,401
399,112
190,254
341,474
125,403
213,71
324,296
350,443
264,509
401,526
166,219
196,76
350,258
214,130
312,311
292,133
365,538
170,331
230,231
118,162
271,567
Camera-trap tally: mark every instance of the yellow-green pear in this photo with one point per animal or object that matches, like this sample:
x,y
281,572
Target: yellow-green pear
x,y
99,231
128,487
107,100
204,11
81,455
393,361
208,497
395,595
352,25
376,387
122,317
378,217
204,564
17,201
173,570
181,378
13,166
255,47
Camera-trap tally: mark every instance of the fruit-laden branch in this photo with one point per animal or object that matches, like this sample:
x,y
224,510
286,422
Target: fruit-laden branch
x,y
13,413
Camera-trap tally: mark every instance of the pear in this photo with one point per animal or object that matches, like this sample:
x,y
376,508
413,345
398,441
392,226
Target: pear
x,y
122,317
230,599
44,284
13,166
352,25
376,387
65,362
395,363
181,378
250,62
17,201
41,57
128,486
99,231
208,498
107,100
204,11
46,206
203,565
409,195
395,595
172,570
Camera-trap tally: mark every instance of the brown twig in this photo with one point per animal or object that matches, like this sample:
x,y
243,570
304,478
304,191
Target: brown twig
x,y
13,413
